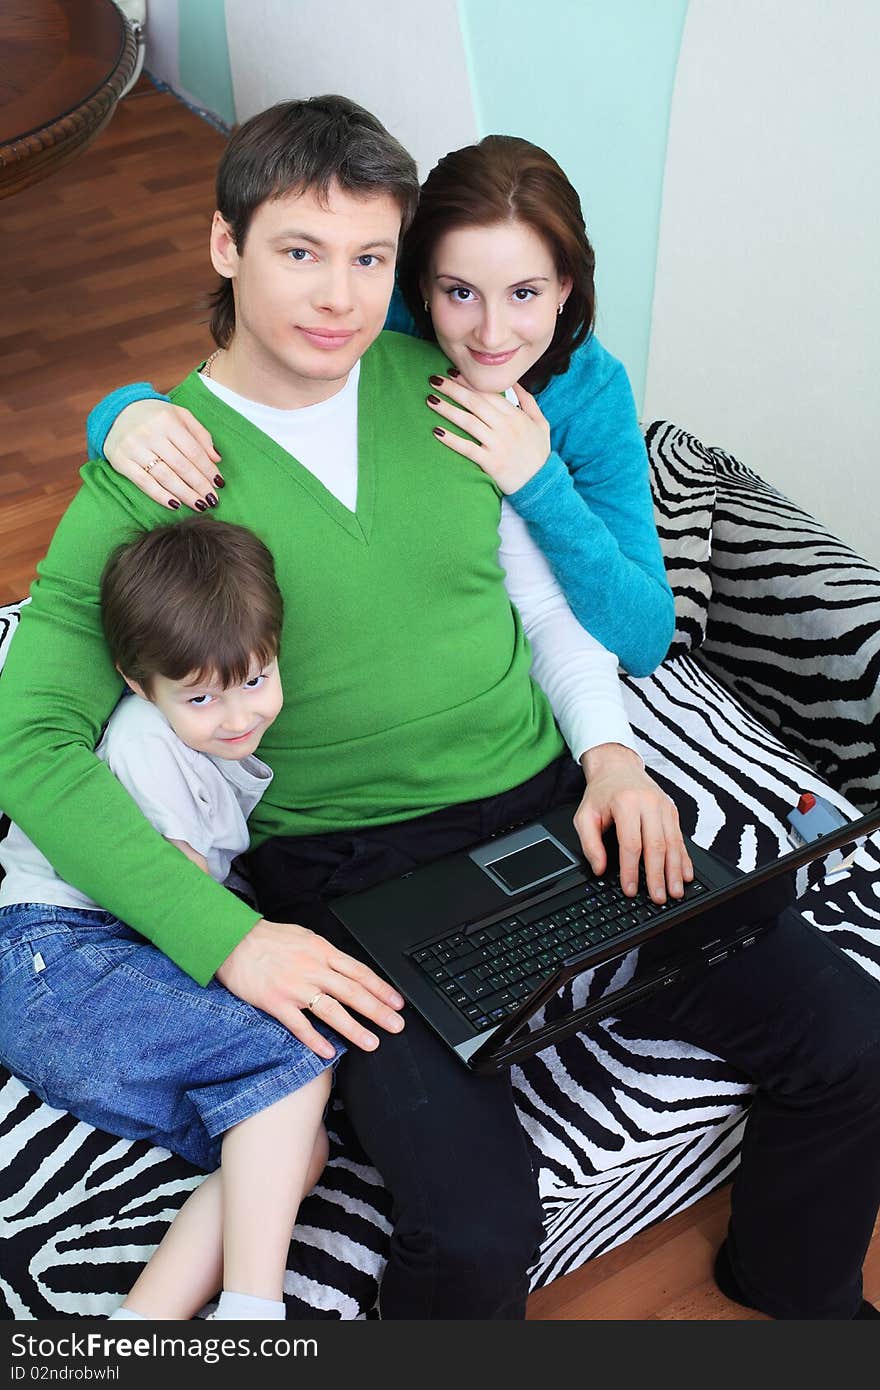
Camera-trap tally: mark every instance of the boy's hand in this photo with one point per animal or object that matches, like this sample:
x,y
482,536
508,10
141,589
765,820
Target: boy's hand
x,y
281,968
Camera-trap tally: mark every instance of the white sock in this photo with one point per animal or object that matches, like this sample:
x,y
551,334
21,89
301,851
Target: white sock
x,y
127,1313
244,1307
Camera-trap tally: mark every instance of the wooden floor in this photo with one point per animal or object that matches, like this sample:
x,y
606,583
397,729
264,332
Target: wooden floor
x,y
665,1274
102,269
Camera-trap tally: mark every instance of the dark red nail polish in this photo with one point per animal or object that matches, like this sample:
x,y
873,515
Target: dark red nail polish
x,y
173,503
200,506
218,481
433,400
453,371
436,380
210,499
439,433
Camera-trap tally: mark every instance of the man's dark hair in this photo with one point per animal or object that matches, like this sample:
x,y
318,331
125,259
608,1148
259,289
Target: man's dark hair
x,y
300,145
196,596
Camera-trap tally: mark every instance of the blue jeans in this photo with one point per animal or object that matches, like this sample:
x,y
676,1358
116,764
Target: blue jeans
x,y
100,1023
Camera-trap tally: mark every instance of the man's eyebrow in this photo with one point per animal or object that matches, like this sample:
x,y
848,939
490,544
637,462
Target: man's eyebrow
x,y
460,280
291,234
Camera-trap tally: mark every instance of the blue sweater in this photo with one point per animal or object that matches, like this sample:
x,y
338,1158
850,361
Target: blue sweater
x,y
589,508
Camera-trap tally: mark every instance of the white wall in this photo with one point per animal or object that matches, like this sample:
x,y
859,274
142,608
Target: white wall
x,y
401,59
767,296
161,41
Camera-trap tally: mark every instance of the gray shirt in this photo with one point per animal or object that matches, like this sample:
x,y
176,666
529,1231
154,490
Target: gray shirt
x,y
186,795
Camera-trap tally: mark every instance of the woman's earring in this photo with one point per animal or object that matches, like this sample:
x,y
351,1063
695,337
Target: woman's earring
x,y
427,307
559,308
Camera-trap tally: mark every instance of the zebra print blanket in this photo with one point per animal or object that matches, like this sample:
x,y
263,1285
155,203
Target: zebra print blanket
x,y
624,1130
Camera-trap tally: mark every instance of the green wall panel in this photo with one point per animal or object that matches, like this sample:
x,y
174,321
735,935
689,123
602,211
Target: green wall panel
x,y
591,81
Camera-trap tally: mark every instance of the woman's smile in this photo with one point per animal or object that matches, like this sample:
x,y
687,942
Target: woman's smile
x,y
492,359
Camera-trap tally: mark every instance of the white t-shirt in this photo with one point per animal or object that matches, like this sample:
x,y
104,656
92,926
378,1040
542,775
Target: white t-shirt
x,y
188,796
322,437
577,674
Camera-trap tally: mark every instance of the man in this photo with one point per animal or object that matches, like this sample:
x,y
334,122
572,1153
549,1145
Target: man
x,y
412,728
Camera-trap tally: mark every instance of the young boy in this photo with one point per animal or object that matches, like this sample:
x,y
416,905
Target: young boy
x,y
99,1022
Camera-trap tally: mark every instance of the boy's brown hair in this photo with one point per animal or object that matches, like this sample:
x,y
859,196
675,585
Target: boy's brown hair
x,y
196,596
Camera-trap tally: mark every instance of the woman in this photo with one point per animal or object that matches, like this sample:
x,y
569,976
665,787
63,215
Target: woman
x,y
498,268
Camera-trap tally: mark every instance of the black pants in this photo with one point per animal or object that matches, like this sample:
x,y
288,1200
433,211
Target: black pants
x,y
793,1013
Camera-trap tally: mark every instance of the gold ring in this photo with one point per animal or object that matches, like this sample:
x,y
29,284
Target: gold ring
x,y
148,467
314,999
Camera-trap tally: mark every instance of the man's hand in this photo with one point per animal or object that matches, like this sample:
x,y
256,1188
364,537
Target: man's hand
x,y
279,967
620,792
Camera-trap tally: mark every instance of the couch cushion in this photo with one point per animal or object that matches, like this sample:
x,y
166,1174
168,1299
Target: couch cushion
x,y
682,474
794,629
9,619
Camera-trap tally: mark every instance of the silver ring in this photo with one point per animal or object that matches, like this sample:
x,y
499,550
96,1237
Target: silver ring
x,y
314,999
148,467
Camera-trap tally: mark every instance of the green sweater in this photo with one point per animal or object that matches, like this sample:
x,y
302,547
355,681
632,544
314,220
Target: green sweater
x,y
405,669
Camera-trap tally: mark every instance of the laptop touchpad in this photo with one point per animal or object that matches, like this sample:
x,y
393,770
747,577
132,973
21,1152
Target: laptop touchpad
x,y
523,860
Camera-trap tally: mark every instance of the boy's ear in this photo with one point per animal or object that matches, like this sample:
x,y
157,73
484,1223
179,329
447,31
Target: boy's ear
x,y
224,255
134,686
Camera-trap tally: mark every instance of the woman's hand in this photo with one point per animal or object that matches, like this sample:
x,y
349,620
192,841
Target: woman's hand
x,y
620,792
165,452
280,968
512,442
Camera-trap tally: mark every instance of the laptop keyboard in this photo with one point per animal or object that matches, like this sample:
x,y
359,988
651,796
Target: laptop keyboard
x,y
488,972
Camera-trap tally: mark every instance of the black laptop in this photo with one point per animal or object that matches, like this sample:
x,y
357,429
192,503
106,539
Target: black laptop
x,y
481,940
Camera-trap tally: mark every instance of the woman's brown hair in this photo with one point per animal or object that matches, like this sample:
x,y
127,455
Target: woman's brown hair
x,y
506,179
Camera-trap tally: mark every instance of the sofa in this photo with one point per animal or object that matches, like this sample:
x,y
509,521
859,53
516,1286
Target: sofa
x,y
770,689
